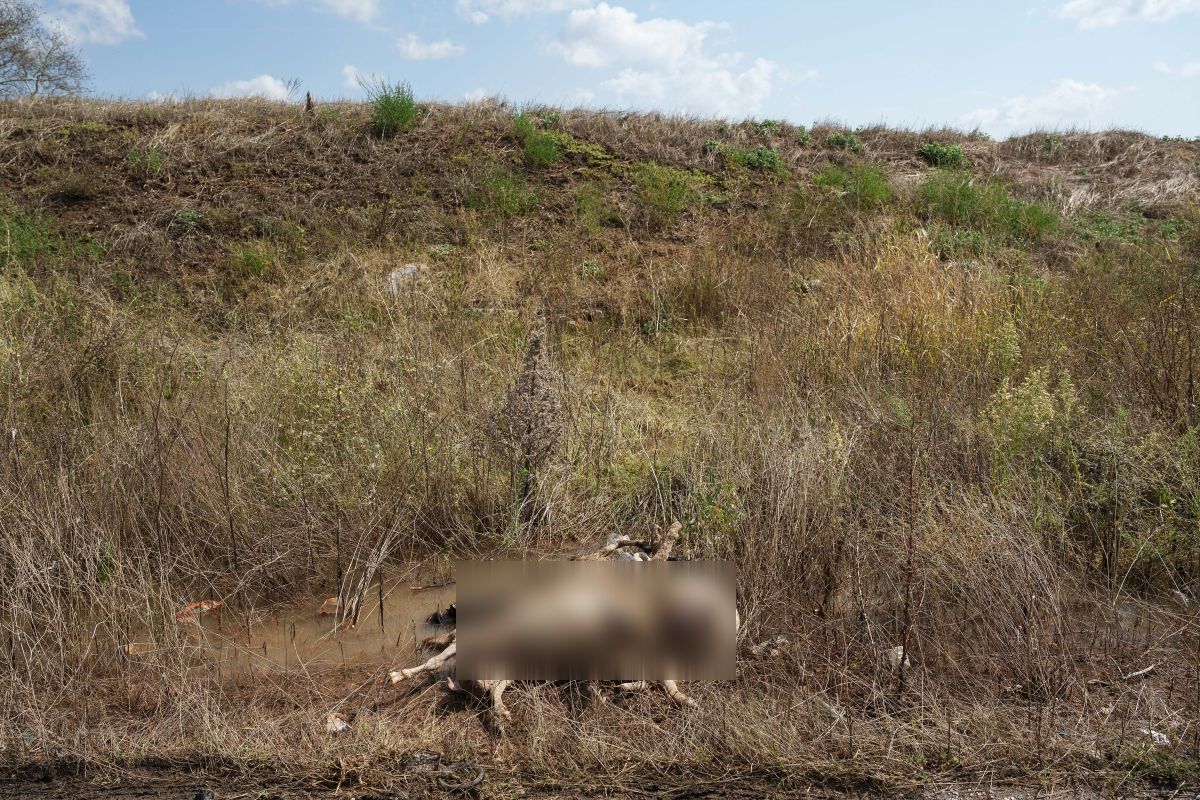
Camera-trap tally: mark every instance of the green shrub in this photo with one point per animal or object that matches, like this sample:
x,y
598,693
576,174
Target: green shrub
x,y
938,154
250,260
541,147
667,192
766,128
710,146
951,242
844,141
961,201
28,238
185,221
803,137
593,210
1051,146
148,160
502,191
864,186
765,159
392,106
1100,227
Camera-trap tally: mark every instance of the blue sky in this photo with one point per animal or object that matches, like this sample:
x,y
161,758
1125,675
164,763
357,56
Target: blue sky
x,y
1004,66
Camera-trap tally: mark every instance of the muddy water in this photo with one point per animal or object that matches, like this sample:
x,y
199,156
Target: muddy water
x,y
300,637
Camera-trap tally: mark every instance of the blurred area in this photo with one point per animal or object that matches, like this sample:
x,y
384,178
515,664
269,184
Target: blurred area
x,y
566,620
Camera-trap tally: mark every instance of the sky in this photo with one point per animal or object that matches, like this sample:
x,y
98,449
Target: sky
x,y
1004,66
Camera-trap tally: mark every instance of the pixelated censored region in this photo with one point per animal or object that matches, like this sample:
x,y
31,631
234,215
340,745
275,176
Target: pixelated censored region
x,y
595,620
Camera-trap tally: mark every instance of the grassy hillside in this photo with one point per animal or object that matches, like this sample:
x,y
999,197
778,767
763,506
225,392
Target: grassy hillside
x,y
922,387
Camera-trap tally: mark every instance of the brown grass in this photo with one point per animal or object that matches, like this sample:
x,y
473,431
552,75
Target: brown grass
x,y
957,436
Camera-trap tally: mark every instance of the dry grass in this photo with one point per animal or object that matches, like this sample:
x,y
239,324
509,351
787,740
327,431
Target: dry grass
x,y
974,439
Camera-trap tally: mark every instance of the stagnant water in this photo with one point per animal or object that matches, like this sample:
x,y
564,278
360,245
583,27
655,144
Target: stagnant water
x,y
301,637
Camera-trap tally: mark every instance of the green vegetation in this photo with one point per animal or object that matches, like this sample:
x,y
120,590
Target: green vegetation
x,y
766,128
666,193
541,147
763,159
393,108
842,140
28,239
863,186
938,154
986,205
147,160
1051,146
505,193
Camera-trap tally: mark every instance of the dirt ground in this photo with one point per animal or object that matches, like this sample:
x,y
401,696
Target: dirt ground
x,y
162,786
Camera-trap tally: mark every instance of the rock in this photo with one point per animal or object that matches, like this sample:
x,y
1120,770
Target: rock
x,y
894,657
403,276
1159,738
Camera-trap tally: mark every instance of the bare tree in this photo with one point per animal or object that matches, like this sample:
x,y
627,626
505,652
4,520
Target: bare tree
x,y
36,57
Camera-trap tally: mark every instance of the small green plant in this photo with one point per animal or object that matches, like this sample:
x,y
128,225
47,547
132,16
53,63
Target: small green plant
x,y
185,221
803,137
711,146
393,107
591,269
250,261
146,160
864,186
1100,227
503,192
938,154
549,119
1051,146
844,141
766,128
957,243
24,237
666,192
764,159
957,199
593,210
541,147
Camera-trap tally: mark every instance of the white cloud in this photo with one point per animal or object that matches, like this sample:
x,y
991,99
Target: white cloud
x,y
1070,102
662,62
475,95
365,11
581,96
480,11
354,78
414,49
97,21
1107,13
601,36
1189,70
259,86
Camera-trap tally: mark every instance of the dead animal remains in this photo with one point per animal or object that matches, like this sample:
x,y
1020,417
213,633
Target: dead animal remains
x,y
492,691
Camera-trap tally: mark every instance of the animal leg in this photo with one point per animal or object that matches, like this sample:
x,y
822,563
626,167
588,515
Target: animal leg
x,y
496,689
432,665
674,692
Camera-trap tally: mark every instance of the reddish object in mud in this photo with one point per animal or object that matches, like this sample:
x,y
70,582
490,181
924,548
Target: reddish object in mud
x,y
192,612
329,607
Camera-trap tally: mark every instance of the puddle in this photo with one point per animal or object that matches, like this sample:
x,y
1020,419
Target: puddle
x,y
300,637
